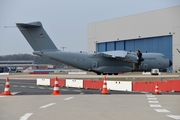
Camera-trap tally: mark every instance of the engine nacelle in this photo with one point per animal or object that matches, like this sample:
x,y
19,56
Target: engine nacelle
x,y
130,57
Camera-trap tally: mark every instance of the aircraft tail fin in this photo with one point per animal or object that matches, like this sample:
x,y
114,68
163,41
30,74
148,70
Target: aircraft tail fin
x,y
36,36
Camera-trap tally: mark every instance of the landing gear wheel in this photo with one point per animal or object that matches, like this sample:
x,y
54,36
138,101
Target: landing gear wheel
x,y
109,73
98,73
115,73
104,73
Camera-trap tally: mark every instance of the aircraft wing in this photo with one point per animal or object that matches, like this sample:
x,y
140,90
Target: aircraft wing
x,y
121,55
114,54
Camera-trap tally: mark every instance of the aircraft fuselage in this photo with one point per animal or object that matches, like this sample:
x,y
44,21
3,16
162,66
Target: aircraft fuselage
x,y
99,64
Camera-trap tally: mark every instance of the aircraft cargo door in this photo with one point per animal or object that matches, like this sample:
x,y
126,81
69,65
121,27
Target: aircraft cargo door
x,y
94,64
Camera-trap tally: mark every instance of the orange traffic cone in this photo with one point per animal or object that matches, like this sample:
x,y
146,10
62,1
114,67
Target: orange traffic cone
x,y
104,90
56,87
156,91
7,88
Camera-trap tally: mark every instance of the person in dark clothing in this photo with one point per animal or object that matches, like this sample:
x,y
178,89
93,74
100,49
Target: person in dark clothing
x,y
139,54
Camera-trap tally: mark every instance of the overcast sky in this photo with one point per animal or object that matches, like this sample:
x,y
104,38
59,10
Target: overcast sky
x,y
66,21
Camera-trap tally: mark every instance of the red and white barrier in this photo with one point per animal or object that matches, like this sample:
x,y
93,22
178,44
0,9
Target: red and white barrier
x,y
38,72
93,84
4,73
42,81
164,86
61,82
119,85
78,83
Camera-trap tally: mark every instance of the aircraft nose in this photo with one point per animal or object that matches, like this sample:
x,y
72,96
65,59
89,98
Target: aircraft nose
x,y
170,63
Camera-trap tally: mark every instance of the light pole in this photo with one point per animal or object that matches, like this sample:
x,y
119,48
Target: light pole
x,y
63,48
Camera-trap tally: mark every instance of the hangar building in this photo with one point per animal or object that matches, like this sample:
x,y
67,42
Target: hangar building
x,y
155,31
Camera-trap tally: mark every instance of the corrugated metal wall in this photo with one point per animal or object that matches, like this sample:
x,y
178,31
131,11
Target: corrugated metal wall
x,y
162,44
119,45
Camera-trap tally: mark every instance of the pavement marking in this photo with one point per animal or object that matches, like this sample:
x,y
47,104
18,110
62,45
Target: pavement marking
x,y
64,89
14,93
161,110
153,102
31,87
26,116
153,105
69,98
77,90
176,117
152,98
51,88
150,95
81,93
23,86
45,106
41,88
15,85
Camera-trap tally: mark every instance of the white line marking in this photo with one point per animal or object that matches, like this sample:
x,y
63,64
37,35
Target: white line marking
x,y
69,98
51,88
26,116
15,85
23,86
150,95
41,88
77,90
152,98
14,93
152,105
31,87
177,117
45,106
161,110
64,89
153,102
81,93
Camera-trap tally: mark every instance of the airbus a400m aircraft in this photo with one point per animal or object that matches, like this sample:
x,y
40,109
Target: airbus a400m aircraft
x,y
110,62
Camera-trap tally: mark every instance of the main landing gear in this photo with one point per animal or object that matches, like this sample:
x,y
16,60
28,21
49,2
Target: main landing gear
x,y
107,73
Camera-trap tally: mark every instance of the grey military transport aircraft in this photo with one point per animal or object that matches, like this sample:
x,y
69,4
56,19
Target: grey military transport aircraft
x,y
109,62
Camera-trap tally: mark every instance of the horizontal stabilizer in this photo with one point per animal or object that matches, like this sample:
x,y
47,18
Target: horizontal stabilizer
x,y
33,24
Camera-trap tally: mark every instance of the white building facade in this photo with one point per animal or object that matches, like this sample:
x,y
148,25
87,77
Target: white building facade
x,y
155,31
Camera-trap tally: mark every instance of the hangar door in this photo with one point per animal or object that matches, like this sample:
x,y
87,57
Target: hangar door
x,y
161,44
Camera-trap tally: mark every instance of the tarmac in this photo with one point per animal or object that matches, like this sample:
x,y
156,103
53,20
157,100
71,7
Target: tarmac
x,y
126,77
88,107
36,102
